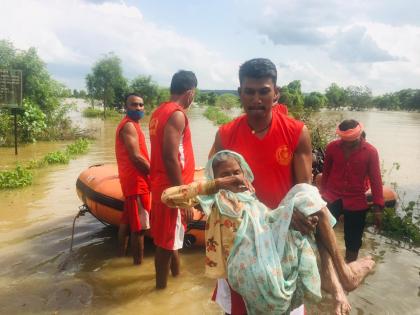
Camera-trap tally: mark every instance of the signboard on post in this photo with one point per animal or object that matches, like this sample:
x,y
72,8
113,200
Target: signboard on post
x,y
10,88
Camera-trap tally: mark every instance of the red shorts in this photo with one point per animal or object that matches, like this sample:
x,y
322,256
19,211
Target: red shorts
x,y
168,226
137,212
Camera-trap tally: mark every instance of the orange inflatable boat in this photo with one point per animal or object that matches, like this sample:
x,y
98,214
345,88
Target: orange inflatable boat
x,y
98,187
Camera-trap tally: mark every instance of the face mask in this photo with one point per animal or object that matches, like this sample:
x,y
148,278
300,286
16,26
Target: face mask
x,y
135,114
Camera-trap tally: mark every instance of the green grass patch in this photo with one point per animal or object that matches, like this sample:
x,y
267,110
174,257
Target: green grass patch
x,y
22,176
216,115
99,113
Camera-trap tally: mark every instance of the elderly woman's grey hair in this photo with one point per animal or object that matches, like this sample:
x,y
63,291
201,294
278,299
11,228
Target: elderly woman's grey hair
x,y
223,157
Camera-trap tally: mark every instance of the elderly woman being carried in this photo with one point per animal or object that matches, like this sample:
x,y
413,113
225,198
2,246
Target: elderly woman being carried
x,y
272,266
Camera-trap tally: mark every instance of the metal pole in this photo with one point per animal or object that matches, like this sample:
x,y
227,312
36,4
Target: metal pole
x,y
15,118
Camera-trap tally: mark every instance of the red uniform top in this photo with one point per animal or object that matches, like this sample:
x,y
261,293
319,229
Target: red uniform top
x,y
160,180
133,182
281,108
270,158
346,178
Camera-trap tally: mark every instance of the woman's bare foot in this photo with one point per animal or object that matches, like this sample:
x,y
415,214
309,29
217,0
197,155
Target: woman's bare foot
x,y
355,272
341,304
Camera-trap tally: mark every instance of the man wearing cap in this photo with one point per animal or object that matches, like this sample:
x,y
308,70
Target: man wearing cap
x,y
348,162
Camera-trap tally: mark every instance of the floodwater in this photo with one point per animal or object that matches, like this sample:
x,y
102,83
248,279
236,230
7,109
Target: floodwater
x,y
39,276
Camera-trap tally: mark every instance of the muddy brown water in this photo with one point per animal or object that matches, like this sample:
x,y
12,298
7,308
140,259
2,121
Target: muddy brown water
x,y
38,276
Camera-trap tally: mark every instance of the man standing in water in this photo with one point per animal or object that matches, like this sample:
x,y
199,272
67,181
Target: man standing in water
x,y
133,169
172,165
349,162
278,150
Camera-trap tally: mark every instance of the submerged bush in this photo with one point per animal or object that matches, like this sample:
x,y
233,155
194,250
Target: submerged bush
x,y
19,177
81,146
99,113
216,115
57,157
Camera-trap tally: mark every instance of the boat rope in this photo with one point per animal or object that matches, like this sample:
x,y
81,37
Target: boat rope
x,y
82,210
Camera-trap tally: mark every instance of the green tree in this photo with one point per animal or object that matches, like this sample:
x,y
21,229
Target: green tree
x,y
37,84
163,95
336,96
211,98
292,96
42,117
387,101
227,101
201,98
358,97
149,90
106,81
315,101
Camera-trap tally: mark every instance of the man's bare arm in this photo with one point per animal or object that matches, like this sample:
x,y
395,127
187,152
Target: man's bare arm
x,y
172,135
302,159
217,145
131,141
302,170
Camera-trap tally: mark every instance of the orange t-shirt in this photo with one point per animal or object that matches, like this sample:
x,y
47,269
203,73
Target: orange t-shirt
x,y
160,180
133,182
270,158
281,108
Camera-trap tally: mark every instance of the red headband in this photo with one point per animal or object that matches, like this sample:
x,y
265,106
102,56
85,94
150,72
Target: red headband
x,y
350,134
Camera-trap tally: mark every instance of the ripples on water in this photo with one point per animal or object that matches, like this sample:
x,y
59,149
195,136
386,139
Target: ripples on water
x,y
38,276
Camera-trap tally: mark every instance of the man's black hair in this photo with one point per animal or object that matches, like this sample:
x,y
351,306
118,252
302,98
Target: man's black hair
x,y
183,81
348,124
131,94
258,68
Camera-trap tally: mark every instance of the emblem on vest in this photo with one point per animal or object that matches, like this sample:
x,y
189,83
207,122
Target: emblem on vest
x,y
283,155
153,124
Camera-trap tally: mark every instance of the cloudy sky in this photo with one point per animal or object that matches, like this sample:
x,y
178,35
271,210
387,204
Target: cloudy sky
x,y
374,43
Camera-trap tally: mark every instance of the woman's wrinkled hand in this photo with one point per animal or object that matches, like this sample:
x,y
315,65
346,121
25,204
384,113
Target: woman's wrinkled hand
x,y
304,225
234,183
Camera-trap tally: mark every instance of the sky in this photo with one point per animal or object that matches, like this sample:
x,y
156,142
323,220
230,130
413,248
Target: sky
x,y
372,43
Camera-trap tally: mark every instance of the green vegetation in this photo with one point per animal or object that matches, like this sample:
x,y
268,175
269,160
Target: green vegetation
x,y
18,177
401,227
21,176
107,83
216,115
99,113
43,117
227,101
57,157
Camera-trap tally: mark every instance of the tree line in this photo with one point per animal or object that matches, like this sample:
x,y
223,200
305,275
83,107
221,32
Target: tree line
x,y
44,118
351,97
107,83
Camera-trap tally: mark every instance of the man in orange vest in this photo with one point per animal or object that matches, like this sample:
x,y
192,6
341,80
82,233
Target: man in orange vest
x,y
279,152
172,164
133,169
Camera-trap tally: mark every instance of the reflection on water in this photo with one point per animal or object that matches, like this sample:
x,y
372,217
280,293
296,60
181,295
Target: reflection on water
x,y
39,276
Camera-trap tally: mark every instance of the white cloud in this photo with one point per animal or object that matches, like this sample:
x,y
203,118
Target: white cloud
x,y
317,41
355,45
78,32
